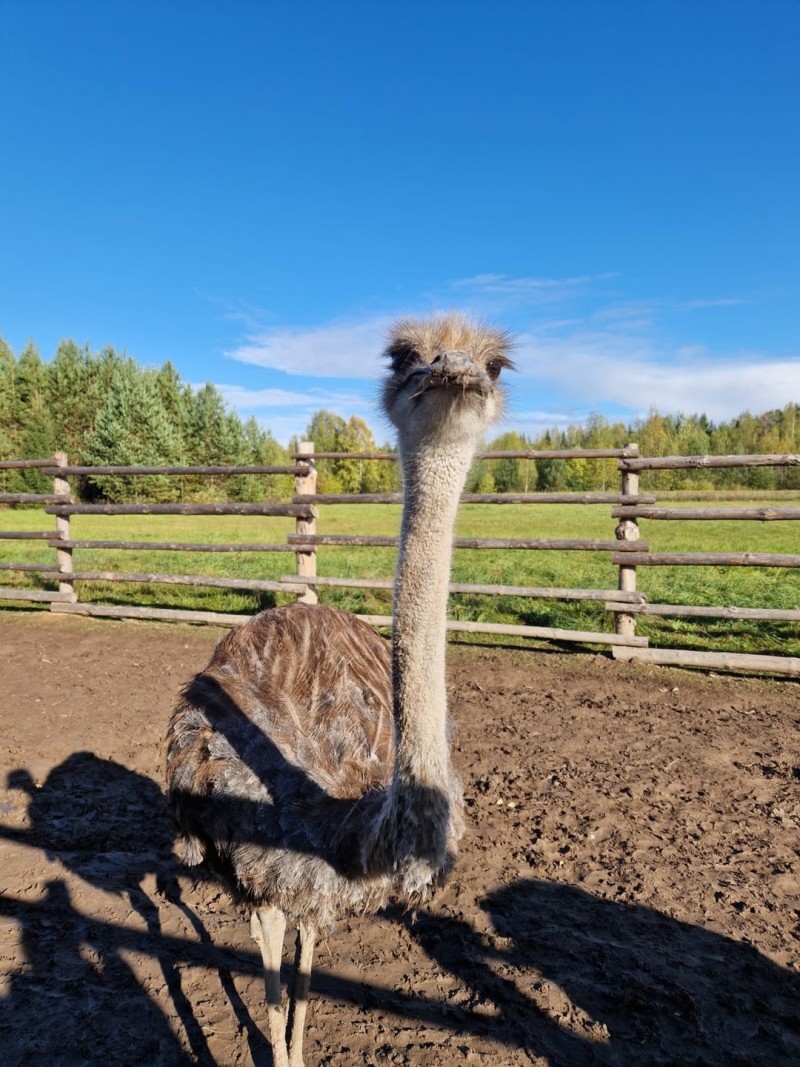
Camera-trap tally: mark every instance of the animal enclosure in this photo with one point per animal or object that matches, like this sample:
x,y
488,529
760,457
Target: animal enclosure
x,y
624,896
622,599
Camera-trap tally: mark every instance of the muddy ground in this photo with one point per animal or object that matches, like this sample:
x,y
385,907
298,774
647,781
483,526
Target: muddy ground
x,y
627,891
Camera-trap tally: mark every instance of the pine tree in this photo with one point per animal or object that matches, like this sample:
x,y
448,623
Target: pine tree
x,y
70,397
133,428
8,400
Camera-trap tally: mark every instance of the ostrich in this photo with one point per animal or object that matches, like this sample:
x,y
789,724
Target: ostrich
x,y
309,763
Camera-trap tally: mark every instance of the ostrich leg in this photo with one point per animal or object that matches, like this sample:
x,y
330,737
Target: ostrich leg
x,y
298,997
267,926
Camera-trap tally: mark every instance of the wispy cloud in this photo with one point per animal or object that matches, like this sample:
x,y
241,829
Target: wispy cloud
x,y
341,349
268,400
504,283
697,305
633,373
599,351
244,399
499,293
286,413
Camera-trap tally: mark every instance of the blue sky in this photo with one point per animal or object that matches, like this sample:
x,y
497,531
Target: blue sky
x,y
254,190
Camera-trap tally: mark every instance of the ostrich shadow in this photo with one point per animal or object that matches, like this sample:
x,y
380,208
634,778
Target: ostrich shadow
x,y
644,988
109,825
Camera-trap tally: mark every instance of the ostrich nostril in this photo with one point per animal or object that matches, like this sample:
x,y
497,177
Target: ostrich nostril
x,y
453,362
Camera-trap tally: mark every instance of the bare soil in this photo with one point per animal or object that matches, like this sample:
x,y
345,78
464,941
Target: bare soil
x,y
627,891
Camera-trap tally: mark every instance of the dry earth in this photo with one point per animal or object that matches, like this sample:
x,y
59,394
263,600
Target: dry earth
x,y
627,891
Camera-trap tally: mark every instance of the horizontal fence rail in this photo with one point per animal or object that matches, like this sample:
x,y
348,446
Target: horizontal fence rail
x,y
626,551
67,470
548,593
171,546
711,559
478,543
685,463
25,464
26,535
479,498
34,498
554,453
293,510
769,514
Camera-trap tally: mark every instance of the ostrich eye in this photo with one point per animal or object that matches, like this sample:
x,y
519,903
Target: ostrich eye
x,y
404,360
493,368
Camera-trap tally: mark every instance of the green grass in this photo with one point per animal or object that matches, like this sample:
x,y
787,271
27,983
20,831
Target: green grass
x,y
740,586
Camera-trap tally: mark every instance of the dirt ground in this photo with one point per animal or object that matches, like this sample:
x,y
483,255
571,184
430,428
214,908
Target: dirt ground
x,y
627,891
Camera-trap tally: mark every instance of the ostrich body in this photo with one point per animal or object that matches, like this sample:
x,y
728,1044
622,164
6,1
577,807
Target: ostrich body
x,y
309,763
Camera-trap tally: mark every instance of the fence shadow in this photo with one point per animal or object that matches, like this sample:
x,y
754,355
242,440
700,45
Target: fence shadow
x,y
643,987
569,977
108,825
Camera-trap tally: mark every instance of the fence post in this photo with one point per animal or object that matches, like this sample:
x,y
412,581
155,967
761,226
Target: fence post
x,y
66,583
627,530
306,561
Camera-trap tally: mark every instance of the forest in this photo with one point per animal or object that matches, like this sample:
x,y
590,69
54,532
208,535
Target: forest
x,y
104,408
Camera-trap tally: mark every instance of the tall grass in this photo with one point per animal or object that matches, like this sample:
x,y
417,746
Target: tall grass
x,y
739,586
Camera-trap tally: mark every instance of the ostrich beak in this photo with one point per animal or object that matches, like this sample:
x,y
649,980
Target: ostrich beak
x,y
457,370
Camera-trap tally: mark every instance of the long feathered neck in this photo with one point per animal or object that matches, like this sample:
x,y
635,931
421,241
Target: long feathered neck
x,y
432,487
423,787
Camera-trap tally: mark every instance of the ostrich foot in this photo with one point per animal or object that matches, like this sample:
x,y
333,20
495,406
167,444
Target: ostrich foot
x,y
298,997
267,926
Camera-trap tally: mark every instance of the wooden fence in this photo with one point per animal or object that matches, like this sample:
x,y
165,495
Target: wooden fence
x,y
627,552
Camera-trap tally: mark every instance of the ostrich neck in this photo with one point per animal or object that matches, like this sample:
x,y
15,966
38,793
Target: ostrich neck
x,y
433,481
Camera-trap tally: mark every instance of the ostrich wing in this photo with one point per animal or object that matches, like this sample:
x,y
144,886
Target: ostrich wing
x,y
284,742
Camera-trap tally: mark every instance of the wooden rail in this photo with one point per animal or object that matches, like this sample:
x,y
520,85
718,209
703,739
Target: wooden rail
x,y
705,612
130,611
548,633
69,471
716,661
25,535
171,546
255,584
35,498
711,559
766,514
43,595
626,552
292,510
481,590
678,463
47,568
545,453
478,498
25,464
490,543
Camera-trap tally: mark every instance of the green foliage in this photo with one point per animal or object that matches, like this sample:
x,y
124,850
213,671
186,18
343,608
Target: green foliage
x,y
132,428
103,407
331,433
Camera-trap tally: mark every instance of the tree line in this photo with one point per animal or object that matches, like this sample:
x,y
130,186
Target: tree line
x,y
103,408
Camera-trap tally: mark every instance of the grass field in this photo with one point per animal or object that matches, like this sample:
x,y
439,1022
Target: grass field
x,y
739,586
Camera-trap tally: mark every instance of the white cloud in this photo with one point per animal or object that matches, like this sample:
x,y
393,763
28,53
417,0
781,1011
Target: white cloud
x,y
243,399
335,350
601,352
505,284
604,368
694,305
286,413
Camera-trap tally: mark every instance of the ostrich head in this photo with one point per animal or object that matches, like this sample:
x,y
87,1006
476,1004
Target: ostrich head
x,y
443,384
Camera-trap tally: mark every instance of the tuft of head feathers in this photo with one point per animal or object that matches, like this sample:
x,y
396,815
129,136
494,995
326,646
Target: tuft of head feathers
x,y
423,339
